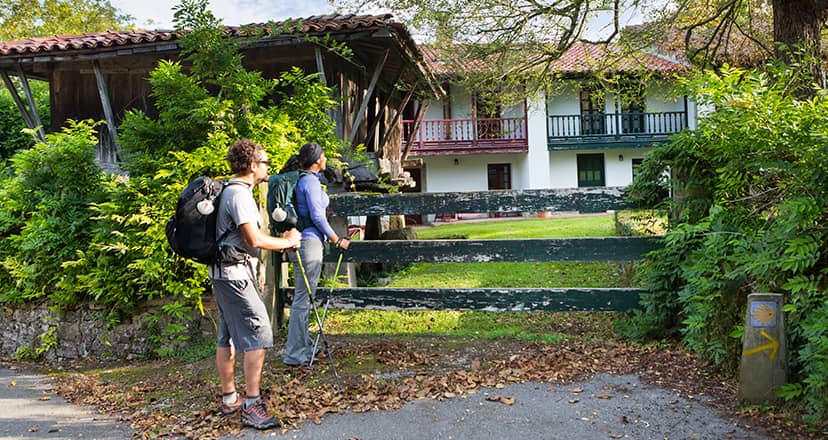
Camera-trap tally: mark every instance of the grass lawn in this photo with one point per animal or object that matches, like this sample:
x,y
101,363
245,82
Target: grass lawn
x,y
530,326
546,274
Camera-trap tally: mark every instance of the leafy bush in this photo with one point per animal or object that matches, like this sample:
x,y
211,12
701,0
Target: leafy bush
x,y
71,233
46,218
749,215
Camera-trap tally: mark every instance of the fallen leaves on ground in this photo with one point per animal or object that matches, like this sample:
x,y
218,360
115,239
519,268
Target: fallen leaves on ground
x,y
184,401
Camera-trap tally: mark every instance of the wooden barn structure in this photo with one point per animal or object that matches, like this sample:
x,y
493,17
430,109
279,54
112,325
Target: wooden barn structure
x,y
101,75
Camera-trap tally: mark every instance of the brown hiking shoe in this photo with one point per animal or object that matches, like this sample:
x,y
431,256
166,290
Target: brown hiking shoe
x,y
256,416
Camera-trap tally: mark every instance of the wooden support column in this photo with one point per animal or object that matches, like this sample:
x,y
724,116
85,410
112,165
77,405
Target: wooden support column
x,y
367,98
107,107
33,114
397,117
320,67
381,112
27,118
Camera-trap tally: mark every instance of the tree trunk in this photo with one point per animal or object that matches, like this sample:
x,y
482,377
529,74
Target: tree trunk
x,y
797,25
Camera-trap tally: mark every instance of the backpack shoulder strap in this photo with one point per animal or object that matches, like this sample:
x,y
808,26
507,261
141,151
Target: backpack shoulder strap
x,y
225,183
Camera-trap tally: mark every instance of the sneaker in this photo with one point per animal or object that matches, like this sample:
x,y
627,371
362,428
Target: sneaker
x,y
229,410
256,416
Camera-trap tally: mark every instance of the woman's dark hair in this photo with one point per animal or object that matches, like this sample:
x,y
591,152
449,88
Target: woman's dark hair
x,y
308,154
242,153
291,164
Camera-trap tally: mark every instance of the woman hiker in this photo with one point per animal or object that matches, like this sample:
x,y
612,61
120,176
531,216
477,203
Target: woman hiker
x,y
311,204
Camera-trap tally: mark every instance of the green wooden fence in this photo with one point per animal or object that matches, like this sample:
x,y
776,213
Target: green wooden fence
x,y
518,250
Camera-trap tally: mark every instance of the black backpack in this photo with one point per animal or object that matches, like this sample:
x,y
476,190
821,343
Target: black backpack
x,y
191,231
281,202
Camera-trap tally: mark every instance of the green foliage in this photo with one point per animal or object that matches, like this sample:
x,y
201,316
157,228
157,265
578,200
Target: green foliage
x,y
47,218
749,215
71,233
34,18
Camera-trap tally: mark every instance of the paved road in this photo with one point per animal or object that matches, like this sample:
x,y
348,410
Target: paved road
x,y
28,409
607,407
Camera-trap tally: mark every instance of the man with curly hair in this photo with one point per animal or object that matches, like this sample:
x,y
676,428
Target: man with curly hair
x,y
242,316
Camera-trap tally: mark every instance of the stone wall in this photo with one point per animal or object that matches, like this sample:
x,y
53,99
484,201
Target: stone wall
x,y
83,332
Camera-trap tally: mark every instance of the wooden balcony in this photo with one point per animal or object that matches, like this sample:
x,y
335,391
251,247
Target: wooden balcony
x,y
438,137
612,130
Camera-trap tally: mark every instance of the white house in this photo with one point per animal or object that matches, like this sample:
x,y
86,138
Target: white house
x,y
579,136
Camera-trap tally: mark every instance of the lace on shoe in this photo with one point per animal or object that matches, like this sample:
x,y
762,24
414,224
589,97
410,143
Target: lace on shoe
x,y
256,416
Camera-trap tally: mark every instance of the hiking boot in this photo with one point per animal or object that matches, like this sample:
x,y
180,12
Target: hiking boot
x,y
229,410
256,416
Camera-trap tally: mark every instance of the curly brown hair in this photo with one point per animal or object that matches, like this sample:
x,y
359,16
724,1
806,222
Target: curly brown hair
x,y
242,153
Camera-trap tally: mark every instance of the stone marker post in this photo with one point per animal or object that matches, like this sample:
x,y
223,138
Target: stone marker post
x,y
764,356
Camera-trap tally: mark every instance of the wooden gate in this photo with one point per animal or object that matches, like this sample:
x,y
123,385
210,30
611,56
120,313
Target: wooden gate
x,y
460,251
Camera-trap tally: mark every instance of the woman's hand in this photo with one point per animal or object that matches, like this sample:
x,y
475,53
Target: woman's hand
x,y
342,243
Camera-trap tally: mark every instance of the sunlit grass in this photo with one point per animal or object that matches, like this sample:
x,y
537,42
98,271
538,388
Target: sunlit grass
x,y
581,226
548,327
508,274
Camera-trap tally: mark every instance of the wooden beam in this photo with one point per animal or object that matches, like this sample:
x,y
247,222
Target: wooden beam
x,y
486,251
33,113
105,103
420,114
320,66
397,117
27,118
585,200
367,98
495,299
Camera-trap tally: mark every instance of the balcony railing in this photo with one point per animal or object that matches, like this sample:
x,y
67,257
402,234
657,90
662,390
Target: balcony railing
x,y
466,136
566,132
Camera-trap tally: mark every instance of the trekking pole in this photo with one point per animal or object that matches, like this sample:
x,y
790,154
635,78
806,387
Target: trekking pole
x,y
316,313
321,322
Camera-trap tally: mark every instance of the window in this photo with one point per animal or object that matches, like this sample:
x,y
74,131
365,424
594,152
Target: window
x,y
500,176
592,112
591,170
636,166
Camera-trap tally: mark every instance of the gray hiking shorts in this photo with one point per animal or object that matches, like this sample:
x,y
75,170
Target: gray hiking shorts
x,y
242,316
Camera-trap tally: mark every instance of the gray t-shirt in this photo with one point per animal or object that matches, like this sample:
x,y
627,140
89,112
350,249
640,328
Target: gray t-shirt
x,y
237,208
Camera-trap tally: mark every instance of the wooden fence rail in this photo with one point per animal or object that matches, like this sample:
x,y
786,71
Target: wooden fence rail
x,y
585,200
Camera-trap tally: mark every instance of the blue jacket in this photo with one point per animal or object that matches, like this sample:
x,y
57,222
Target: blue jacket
x,y
312,202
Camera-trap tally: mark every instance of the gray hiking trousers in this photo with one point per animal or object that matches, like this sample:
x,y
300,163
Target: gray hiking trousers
x,y
299,345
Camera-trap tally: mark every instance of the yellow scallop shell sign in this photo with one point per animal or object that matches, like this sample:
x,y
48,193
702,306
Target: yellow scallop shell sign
x,y
763,314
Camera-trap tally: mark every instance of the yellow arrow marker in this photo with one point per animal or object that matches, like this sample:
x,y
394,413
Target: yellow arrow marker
x,y
773,346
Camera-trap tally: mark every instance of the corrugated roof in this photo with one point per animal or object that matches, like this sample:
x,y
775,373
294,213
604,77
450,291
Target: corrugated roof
x,y
579,58
102,40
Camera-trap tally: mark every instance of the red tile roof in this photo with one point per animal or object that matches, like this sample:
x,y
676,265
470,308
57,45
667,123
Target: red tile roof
x,y
92,40
113,39
580,58
584,57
